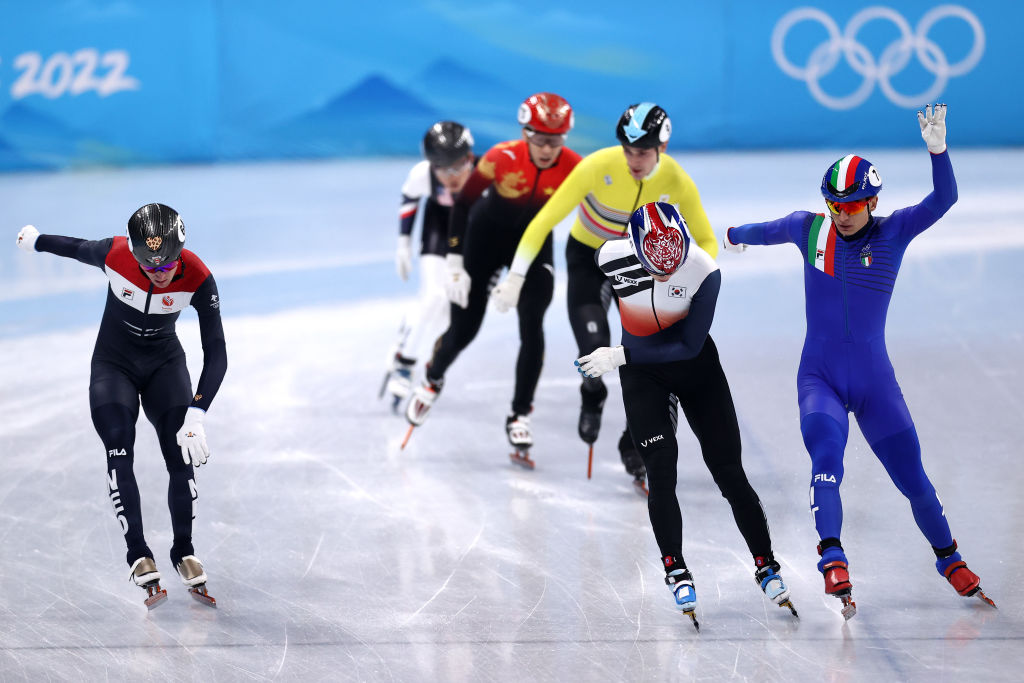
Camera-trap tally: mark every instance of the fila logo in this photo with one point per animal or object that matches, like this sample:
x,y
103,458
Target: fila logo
x,y
128,294
626,280
825,478
652,439
114,452
677,291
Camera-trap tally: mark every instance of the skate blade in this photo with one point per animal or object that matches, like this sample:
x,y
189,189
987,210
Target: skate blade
x,y
522,458
693,617
201,596
787,603
640,486
849,607
407,435
984,598
156,595
590,460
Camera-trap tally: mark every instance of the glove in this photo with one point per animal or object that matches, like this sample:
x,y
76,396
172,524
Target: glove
x,y
602,360
457,286
729,246
933,127
506,294
27,238
192,437
403,257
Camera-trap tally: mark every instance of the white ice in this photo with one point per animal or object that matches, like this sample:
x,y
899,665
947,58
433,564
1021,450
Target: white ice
x,y
336,556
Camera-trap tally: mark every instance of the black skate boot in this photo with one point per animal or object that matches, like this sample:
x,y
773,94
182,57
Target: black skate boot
x,y
593,393
633,463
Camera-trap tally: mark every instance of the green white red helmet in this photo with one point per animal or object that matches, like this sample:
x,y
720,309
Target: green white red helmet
x,y
850,179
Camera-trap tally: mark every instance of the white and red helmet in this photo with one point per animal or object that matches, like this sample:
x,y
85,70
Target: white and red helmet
x,y
659,237
546,112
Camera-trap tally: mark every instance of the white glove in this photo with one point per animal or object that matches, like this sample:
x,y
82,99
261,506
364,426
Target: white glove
x,y
403,256
505,295
457,285
27,238
933,127
602,360
729,246
192,437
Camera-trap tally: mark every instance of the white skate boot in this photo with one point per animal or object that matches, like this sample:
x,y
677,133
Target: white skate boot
x,y
190,569
681,583
145,575
773,586
422,400
399,380
517,428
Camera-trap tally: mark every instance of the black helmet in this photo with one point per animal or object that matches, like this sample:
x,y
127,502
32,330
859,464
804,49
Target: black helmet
x,y
446,142
156,235
643,125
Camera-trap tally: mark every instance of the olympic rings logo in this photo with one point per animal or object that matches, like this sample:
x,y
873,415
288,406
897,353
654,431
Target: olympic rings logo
x,y
824,58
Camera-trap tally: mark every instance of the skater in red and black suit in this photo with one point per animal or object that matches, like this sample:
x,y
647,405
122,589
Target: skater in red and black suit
x,y
510,184
138,358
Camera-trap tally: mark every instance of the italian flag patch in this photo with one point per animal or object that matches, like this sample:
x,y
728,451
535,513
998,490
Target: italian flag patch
x,y
821,245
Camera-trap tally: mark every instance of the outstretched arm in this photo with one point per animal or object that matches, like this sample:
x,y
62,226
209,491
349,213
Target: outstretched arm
x,y
91,252
916,219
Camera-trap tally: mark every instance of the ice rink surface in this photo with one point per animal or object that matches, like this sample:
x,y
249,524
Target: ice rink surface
x,y
336,556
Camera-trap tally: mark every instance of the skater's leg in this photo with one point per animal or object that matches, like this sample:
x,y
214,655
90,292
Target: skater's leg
x,y
588,297
165,399
647,409
114,405
533,303
707,404
430,315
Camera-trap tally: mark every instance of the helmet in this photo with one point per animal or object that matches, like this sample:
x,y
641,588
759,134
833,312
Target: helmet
x,y
446,142
643,125
546,113
849,179
156,235
659,238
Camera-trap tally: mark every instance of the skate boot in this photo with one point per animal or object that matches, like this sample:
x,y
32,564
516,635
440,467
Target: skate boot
x,y
422,400
681,582
590,411
633,463
399,380
767,576
834,568
951,565
146,576
517,428
190,569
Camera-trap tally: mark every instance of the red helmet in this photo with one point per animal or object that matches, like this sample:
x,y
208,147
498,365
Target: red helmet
x,y
546,112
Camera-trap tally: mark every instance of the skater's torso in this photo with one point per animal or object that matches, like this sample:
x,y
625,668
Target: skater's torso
x,y
655,315
418,184
137,330
605,195
506,190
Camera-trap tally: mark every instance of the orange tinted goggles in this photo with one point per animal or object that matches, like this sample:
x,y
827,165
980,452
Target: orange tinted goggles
x,y
851,208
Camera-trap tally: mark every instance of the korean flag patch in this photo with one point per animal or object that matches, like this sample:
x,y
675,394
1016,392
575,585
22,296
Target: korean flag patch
x,y
677,291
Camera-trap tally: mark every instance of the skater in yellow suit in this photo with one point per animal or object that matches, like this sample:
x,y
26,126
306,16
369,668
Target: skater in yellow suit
x,y
605,188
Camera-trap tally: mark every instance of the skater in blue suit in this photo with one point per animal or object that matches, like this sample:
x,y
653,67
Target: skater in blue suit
x,y
851,260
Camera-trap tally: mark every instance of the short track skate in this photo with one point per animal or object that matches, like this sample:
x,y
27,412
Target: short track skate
x,y
640,486
190,569
837,584
146,577
521,457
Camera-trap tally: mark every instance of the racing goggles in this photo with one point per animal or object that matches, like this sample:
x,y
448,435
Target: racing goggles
x,y
554,141
851,208
160,269
453,170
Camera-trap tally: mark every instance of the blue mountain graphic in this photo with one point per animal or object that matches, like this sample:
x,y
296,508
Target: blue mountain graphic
x,y
374,117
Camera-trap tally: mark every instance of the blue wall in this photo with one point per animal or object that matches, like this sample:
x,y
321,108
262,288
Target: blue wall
x,y
90,82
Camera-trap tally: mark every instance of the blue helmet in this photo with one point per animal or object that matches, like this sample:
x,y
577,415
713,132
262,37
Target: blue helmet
x,y
643,125
659,237
850,179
